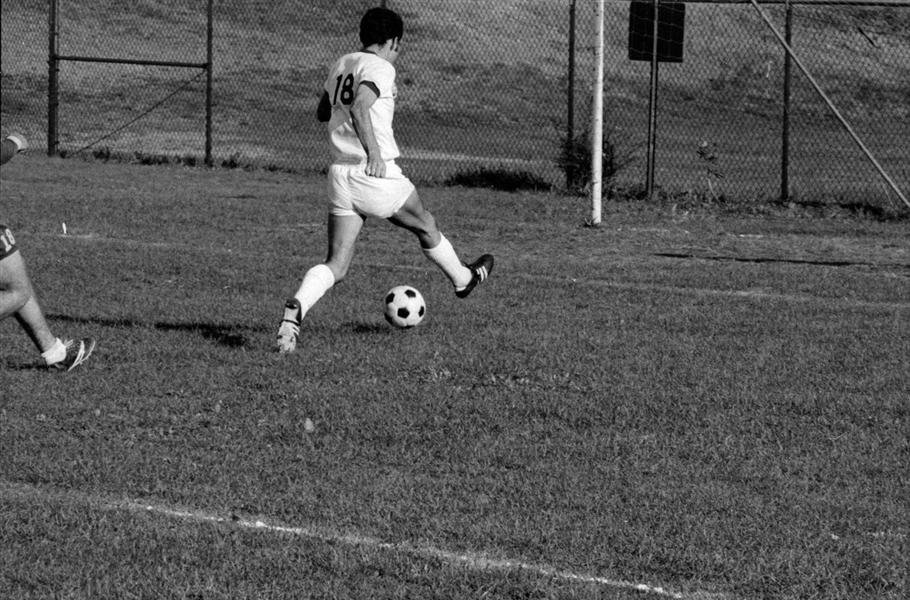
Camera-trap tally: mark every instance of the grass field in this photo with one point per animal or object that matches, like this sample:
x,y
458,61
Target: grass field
x,y
684,402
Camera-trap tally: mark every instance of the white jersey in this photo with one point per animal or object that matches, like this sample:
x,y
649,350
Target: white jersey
x,y
345,77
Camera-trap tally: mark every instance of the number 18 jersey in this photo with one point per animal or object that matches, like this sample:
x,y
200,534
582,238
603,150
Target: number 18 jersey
x,y
345,77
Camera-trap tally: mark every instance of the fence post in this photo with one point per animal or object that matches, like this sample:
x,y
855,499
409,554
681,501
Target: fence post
x,y
831,106
52,83
208,86
570,108
785,134
652,110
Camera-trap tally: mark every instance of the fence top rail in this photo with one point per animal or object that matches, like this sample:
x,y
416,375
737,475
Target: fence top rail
x,y
896,3
129,61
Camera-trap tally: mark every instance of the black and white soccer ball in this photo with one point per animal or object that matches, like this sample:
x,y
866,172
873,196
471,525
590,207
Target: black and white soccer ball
x,y
404,307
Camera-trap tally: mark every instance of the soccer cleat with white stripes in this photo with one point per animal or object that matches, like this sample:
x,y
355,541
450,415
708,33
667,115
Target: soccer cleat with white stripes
x,y
77,352
480,270
289,329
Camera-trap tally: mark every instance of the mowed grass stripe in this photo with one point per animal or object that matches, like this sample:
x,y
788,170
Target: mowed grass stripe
x,y
24,494
596,280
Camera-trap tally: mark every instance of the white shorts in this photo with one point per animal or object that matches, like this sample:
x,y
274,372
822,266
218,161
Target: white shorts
x,y
353,192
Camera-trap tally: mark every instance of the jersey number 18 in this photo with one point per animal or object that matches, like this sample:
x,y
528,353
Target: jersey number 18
x,y
345,85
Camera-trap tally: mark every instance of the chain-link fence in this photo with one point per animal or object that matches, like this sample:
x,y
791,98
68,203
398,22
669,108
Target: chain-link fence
x,y
483,85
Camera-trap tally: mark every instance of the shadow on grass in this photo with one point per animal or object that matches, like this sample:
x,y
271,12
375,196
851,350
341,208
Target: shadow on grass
x,y
370,328
793,261
28,363
230,336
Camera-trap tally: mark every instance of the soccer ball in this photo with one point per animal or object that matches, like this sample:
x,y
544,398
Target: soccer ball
x,y
404,307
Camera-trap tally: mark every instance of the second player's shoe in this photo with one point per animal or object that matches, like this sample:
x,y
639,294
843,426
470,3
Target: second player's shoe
x,y
289,329
77,352
480,270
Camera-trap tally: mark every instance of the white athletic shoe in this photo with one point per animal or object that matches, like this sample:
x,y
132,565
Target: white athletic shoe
x,y
77,352
289,329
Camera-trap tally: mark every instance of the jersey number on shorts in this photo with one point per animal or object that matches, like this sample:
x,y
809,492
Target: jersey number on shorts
x,y
345,85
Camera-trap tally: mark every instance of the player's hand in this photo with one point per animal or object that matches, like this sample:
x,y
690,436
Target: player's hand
x,y
19,140
375,166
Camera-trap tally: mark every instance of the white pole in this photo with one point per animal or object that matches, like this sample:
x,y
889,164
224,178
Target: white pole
x,y
598,121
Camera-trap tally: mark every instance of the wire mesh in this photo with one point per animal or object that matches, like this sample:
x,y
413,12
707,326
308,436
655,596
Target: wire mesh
x,y
484,85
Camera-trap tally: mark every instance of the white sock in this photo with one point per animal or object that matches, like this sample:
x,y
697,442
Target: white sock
x,y
316,282
445,258
56,353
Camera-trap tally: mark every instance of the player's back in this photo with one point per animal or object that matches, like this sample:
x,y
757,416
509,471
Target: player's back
x,y
346,76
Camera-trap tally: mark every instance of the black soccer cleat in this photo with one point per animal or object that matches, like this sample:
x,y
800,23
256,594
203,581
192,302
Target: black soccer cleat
x,y
480,270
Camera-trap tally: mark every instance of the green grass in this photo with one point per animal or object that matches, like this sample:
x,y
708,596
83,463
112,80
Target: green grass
x,y
689,397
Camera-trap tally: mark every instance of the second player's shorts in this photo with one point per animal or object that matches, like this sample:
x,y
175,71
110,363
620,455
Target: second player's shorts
x,y
353,192
7,242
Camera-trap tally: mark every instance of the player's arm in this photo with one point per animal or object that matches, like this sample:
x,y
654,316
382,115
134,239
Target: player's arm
x,y
11,145
366,95
324,110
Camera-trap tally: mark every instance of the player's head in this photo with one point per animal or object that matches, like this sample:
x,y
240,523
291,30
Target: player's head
x,y
380,25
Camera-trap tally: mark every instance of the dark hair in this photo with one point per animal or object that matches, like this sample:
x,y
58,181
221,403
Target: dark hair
x,y
379,25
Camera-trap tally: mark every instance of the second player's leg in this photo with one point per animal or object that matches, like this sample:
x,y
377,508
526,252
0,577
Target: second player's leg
x,y
15,289
18,298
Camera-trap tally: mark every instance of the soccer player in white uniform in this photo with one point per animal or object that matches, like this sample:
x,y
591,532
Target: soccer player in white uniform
x,y
358,103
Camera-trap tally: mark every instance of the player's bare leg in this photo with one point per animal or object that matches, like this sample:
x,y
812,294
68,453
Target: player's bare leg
x,y
414,217
343,233
418,220
17,298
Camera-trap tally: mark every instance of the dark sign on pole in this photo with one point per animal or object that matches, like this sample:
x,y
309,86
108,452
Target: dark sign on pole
x,y
671,18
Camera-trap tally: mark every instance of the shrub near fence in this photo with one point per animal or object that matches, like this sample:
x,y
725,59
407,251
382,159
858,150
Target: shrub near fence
x,y
483,85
